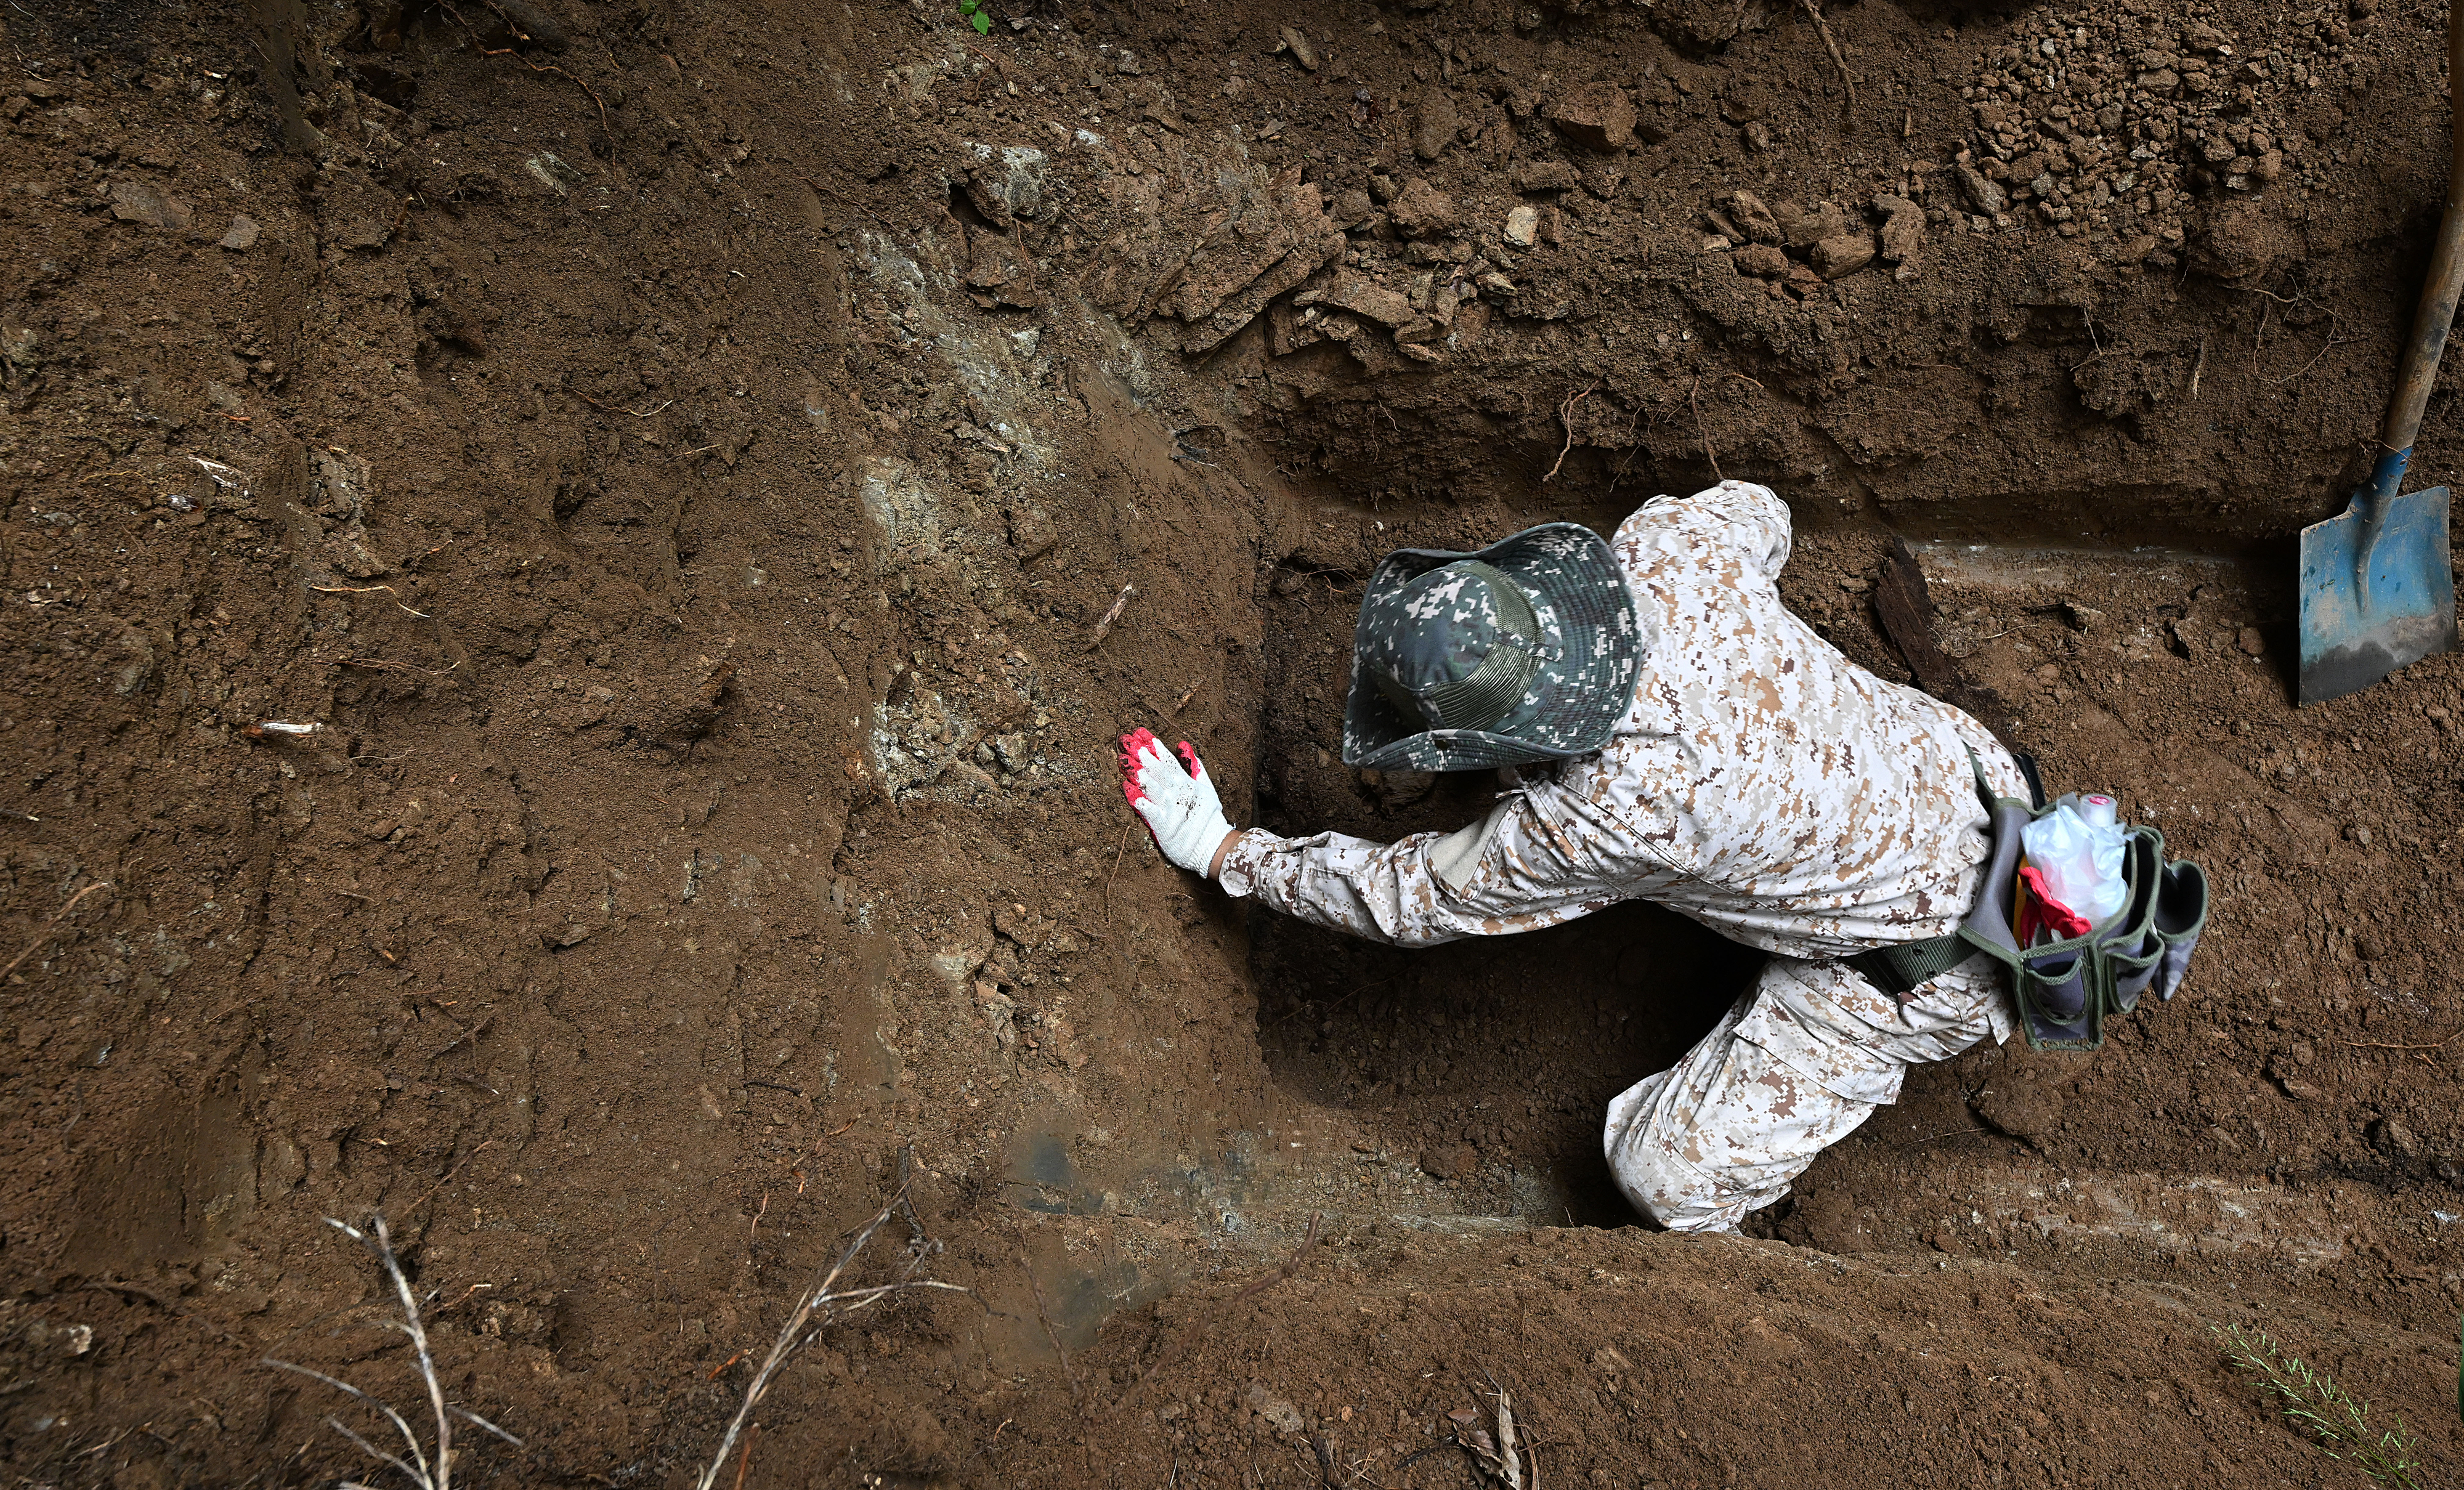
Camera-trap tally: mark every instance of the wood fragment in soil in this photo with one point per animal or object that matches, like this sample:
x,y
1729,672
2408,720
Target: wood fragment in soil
x,y
1103,626
49,927
1290,1266
1831,42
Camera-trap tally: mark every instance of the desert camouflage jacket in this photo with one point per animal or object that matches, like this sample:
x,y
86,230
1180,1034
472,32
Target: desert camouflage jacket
x,y
1761,783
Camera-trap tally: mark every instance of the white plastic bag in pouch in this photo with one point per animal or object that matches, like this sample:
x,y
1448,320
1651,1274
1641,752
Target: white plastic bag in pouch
x,y
2081,861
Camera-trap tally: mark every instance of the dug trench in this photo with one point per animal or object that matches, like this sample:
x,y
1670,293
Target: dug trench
x,y
719,479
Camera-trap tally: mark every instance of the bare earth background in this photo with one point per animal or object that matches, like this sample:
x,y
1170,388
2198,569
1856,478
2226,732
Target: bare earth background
x,y
679,456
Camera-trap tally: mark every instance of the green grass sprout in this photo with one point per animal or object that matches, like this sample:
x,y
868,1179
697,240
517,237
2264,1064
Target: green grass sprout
x,y
2332,1417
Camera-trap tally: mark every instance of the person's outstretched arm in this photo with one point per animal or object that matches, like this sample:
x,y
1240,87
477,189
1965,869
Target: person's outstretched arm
x,y
1529,864
1535,860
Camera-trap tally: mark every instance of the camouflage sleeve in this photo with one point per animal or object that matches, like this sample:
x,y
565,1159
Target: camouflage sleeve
x,y
1533,861
1749,518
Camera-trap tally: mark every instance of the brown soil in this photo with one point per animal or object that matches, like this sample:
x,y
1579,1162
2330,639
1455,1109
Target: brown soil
x,y
679,458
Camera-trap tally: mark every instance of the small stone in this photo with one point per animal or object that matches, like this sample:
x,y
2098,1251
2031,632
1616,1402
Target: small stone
x,y
1805,229
1362,298
532,25
2251,640
137,200
1752,219
1760,260
1352,209
1596,115
1902,234
1546,176
1523,227
1433,124
2392,1136
1447,1161
1988,198
1301,50
242,234
1279,1415
1835,258
2362,836
1422,210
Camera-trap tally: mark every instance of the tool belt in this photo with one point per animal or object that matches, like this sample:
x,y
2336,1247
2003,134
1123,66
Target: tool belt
x,y
2065,986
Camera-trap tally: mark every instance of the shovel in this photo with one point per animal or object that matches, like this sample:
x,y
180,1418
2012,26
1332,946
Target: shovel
x,y
2376,589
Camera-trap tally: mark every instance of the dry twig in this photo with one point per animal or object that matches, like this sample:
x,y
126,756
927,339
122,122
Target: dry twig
x,y
45,935
536,67
1701,433
1116,870
369,589
2381,1044
483,1145
831,1303
1026,1265
1815,10
383,665
1566,417
1103,626
418,1469
1290,1266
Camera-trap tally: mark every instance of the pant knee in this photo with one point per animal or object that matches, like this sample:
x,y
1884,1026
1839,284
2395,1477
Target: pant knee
x,y
1659,1182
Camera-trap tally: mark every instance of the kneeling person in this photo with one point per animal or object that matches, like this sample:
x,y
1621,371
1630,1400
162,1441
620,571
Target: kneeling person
x,y
1675,735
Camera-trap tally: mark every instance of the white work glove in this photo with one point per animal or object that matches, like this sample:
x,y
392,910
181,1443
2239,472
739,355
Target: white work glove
x,y
1180,806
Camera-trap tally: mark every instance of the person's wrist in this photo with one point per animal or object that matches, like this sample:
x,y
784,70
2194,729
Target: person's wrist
x,y
1215,865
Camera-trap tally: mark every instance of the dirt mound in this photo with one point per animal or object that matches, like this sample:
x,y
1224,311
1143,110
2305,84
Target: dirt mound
x,y
703,489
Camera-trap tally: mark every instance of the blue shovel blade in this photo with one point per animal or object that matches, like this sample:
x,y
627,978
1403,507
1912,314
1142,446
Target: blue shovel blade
x,y
2353,636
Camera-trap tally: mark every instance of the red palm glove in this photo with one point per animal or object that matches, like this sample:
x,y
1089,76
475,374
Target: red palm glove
x,y
1175,799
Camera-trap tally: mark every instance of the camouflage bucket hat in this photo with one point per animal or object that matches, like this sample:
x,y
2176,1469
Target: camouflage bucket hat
x,y
1523,651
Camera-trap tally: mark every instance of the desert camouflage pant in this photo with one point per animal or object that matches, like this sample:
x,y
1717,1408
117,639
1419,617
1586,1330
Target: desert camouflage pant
x,y
1792,1069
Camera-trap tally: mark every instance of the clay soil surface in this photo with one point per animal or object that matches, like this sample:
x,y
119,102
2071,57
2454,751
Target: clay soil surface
x,y
706,486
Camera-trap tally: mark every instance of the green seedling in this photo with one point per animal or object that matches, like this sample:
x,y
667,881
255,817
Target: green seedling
x,y
979,14
2332,1417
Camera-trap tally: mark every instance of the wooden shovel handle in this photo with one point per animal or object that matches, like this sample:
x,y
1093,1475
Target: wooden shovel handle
x,y
2419,368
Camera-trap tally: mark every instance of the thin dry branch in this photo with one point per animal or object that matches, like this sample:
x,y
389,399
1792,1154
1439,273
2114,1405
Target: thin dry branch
x,y
1103,626
52,925
1815,10
1026,1265
1566,417
418,1469
1290,1266
824,1299
1701,433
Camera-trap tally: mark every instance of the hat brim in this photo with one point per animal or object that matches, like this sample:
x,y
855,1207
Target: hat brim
x,y
1584,683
